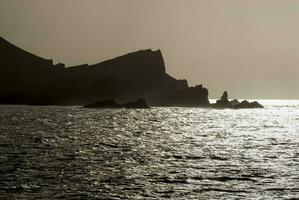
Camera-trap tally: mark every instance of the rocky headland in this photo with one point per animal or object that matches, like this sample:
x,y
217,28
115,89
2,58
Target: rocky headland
x,y
28,79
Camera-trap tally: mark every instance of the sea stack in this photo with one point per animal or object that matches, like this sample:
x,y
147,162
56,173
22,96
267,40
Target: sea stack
x,y
224,102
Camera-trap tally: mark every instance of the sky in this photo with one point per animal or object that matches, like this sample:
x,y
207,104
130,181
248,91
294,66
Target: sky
x,y
248,47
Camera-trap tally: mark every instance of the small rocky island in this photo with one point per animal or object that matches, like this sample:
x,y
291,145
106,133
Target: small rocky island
x,y
31,80
224,102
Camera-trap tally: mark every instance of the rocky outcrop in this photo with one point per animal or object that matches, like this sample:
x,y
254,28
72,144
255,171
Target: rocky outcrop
x,y
246,104
139,104
234,102
224,102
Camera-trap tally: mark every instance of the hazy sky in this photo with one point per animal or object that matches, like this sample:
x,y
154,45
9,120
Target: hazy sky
x,y
249,47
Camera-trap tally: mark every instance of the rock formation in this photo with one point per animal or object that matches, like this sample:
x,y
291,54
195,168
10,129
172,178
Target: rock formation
x,y
234,102
247,104
224,102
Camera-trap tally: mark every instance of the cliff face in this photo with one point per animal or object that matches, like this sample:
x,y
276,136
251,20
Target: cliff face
x,y
29,79
138,74
190,97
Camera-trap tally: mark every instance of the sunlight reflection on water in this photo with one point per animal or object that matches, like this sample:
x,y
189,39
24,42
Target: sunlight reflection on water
x,y
178,153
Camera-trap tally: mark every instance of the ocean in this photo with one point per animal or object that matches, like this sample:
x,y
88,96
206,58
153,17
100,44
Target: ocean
x,y
161,153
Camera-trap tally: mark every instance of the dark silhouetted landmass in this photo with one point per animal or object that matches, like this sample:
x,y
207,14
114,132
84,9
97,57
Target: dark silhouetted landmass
x,y
28,79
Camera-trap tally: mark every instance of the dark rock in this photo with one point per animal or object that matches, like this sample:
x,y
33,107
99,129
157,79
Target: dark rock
x,y
139,104
197,96
223,102
110,103
224,97
247,104
234,102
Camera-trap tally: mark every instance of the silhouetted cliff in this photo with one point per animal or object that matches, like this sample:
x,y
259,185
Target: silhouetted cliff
x,y
28,79
197,96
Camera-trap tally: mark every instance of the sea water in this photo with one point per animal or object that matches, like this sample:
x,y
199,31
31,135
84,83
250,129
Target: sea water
x,y
158,153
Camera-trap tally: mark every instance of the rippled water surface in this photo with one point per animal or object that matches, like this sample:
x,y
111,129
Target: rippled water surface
x,y
160,153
